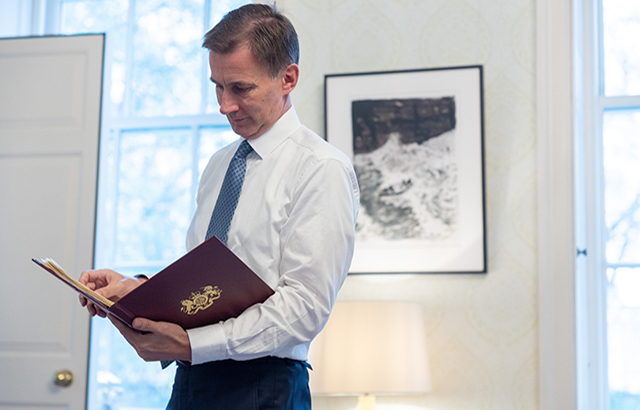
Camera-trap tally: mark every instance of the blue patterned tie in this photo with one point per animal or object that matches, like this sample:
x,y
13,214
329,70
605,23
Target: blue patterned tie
x,y
227,201
229,194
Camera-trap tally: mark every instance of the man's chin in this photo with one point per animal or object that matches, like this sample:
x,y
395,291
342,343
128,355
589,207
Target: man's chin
x,y
245,132
239,131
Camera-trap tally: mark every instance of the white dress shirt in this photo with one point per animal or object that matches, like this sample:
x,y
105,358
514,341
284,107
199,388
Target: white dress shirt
x,y
294,226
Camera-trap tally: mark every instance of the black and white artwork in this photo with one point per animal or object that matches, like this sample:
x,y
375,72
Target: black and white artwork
x,y
416,142
404,157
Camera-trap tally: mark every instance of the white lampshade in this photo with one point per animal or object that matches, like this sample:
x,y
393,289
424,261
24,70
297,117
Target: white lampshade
x,y
371,348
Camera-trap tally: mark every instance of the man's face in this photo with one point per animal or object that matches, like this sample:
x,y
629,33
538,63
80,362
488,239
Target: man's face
x,y
251,100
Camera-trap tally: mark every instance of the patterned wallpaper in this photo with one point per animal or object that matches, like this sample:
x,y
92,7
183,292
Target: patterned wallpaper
x,y
482,329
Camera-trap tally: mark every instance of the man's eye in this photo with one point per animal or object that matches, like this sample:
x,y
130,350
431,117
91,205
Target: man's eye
x,y
240,90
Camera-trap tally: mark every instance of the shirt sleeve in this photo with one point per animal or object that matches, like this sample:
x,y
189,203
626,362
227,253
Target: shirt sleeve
x,y
316,244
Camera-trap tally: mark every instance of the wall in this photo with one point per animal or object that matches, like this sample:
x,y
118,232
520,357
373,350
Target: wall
x,y
482,330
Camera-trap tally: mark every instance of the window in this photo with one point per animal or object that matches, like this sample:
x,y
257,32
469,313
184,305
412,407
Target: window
x,y
612,63
160,126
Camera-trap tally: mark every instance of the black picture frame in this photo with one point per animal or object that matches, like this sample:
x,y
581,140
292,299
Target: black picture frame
x,y
416,139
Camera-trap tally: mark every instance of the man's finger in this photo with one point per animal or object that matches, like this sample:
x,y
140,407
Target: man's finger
x,y
100,312
94,310
144,325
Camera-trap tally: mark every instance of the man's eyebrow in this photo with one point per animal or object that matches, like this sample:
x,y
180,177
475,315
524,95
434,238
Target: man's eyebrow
x,y
242,84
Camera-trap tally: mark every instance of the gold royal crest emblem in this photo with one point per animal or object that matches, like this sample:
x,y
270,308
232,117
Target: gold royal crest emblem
x,y
200,300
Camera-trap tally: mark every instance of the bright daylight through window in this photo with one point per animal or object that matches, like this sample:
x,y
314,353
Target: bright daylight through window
x,y
160,126
620,116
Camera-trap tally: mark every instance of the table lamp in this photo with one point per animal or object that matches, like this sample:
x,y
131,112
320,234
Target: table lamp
x,y
371,348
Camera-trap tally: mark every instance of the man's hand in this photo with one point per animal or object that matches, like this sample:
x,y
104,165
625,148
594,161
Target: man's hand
x,y
107,283
163,340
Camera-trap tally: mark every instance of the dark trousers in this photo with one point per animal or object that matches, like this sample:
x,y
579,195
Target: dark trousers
x,y
268,383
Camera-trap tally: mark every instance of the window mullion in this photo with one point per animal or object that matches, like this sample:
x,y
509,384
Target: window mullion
x,y
205,83
623,265
195,174
620,102
598,22
131,18
108,193
46,17
169,122
594,386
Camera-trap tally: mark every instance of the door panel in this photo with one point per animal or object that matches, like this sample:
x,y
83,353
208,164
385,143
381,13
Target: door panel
x,y
50,92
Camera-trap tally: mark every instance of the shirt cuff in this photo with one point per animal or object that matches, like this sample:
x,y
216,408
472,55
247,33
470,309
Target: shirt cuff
x,y
208,343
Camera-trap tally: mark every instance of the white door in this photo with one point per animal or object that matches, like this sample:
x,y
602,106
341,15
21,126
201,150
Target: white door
x,y
50,92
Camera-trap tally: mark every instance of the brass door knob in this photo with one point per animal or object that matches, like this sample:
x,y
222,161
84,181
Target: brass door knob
x,y
63,378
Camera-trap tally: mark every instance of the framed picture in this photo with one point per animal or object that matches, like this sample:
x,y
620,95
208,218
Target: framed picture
x,y
416,141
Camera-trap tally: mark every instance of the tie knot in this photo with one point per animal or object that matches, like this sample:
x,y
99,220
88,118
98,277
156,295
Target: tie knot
x,y
243,150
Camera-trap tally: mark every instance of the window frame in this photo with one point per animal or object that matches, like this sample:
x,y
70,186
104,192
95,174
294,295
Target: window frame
x,y
112,128
591,104
593,391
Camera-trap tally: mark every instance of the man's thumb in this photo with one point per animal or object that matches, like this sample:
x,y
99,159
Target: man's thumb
x,y
144,325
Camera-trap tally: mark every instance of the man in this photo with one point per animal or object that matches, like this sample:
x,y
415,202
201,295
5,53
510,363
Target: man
x,y
293,225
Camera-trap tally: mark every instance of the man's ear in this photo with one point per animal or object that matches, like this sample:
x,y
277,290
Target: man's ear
x,y
290,78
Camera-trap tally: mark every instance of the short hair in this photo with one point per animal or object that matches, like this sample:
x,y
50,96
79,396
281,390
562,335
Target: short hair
x,y
269,35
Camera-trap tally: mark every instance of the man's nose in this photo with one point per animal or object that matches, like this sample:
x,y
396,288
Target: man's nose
x,y
227,104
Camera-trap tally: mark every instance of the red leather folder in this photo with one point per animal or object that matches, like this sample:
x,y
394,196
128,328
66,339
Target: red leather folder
x,y
207,285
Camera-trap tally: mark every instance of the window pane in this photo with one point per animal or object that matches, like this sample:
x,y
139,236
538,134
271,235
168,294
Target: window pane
x,y
157,68
623,322
211,140
109,16
119,378
154,206
154,200
167,58
220,7
621,139
621,31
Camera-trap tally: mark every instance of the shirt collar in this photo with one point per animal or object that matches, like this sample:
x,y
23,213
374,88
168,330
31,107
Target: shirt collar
x,y
274,136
